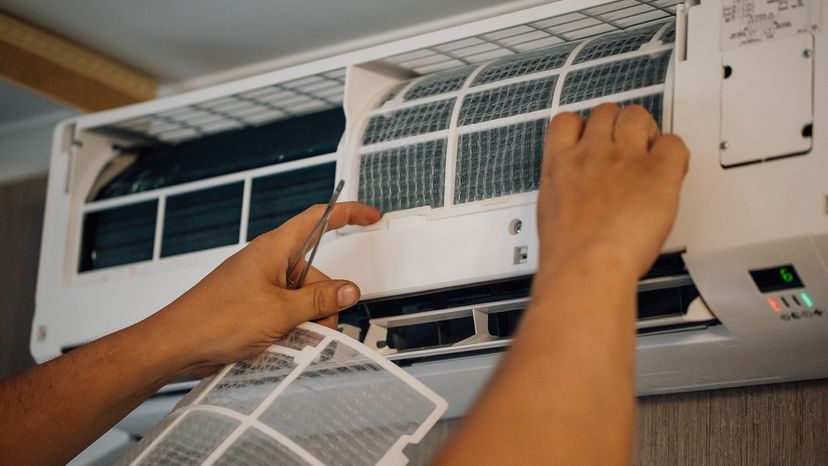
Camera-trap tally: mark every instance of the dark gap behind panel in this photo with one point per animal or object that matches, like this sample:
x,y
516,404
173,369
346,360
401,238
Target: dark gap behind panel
x,y
274,199
656,303
202,219
430,334
117,236
229,152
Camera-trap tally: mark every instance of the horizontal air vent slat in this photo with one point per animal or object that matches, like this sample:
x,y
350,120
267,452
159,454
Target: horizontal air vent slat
x,y
664,298
493,324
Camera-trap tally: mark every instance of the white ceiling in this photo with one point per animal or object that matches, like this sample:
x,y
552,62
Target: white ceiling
x,y
186,40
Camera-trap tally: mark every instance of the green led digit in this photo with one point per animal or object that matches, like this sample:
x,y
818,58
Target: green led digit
x,y
787,276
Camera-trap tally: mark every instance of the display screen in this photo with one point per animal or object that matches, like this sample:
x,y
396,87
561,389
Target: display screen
x,y
781,277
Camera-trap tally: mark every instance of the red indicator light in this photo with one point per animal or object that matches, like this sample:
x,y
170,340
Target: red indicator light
x,y
773,304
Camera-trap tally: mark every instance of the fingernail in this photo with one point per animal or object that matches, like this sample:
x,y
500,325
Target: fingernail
x,y
347,295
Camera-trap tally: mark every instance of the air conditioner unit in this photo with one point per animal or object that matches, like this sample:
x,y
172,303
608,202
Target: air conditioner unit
x,y
443,132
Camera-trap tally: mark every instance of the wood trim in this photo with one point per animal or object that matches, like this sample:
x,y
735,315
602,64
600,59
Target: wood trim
x,y
66,72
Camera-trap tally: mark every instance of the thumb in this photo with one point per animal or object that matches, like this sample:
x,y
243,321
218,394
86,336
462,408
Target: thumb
x,y
319,300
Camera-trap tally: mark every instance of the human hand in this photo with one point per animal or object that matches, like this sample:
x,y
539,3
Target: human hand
x,y
612,181
244,306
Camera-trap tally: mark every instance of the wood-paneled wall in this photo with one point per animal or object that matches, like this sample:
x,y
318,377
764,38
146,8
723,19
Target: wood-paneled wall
x,y
21,219
784,424
778,425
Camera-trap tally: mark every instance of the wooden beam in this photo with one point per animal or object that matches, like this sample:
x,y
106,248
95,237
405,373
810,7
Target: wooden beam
x,y
66,72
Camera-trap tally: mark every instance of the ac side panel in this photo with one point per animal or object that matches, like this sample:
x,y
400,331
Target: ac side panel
x,y
762,201
764,214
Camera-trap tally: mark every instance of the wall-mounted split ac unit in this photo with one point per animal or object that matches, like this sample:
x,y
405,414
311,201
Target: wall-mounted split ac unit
x,y
444,133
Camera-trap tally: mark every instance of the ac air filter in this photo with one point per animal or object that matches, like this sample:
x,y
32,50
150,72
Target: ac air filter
x,y
476,133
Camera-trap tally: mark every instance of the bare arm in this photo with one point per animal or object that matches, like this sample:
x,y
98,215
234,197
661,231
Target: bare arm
x,y
564,393
50,413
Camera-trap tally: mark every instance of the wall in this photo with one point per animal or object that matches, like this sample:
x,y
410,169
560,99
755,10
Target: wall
x,y
21,220
784,424
25,147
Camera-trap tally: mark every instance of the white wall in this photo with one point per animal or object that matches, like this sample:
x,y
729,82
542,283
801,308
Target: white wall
x,y
25,145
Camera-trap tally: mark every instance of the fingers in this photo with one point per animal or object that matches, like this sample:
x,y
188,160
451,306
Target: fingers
x,y
673,157
601,123
635,129
274,249
318,301
564,132
296,230
314,275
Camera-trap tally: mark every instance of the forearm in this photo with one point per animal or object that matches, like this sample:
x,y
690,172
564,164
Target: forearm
x,y
53,411
567,380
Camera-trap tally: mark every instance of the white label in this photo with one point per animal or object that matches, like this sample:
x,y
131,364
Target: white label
x,y
750,21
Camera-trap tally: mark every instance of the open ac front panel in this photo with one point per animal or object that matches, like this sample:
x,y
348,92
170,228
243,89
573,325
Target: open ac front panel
x,y
144,201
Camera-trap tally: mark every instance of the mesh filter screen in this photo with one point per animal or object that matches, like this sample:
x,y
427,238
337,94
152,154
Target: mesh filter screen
x,y
392,93
344,391
509,100
525,63
617,43
254,448
410,121
234,390
197,436
614,77
653,103
334,401
403,177
499,161
499,127
439,83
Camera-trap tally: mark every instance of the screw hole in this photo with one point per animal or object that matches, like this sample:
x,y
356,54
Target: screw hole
x,y
808,130
727,71
515,226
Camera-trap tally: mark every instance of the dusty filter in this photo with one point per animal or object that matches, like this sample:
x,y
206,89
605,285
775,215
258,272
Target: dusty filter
x,y
476,132
315,397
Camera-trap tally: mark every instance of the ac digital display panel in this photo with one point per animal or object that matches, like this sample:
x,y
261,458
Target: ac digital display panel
x,y
781,277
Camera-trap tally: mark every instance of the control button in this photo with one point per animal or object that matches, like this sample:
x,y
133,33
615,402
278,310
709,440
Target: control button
x,y
817,312
806,313
795,315
785,317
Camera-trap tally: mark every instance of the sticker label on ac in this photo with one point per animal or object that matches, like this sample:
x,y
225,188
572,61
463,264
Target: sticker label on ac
x,y
751,21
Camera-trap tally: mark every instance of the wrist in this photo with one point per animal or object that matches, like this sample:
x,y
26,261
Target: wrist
x,y
598,256
173,353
